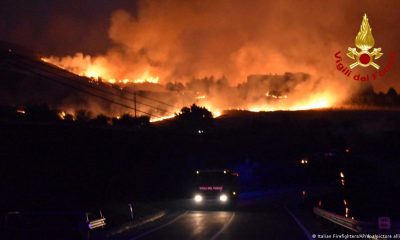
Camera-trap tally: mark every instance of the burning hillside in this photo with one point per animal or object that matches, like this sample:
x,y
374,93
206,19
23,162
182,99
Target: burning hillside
x,y
191,51
222,55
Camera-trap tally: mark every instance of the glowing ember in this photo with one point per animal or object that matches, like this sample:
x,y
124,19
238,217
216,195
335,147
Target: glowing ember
x,y
44,59
62,115
201,97
158,119
268,94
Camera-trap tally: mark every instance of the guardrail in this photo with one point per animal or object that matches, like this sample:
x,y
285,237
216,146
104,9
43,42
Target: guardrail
x,y
76,223
356,225
96,223
338,219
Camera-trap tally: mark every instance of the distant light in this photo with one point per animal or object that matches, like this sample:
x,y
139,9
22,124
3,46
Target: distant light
x,y
197,172
200,131
304,161
224,171
198,198
9,50
211,188
223,198
234,193
304,193
341,174
21,111
347,150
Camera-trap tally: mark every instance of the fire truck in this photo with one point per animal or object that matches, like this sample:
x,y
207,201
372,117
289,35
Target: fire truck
x,y
215,186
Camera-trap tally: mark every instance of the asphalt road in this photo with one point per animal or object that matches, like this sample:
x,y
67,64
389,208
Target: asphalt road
x,y
265,217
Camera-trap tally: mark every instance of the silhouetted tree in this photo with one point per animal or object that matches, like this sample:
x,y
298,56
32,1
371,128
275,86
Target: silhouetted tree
x,y
41,113
100,120
175,86
391,92
195,118
83,116
127,120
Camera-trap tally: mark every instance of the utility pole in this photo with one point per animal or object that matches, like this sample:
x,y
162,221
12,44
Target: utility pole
x,y
134,99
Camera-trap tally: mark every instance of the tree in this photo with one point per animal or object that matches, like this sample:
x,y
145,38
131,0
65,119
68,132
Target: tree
x,y
41,113
100,120
391,92
195,118
127,120
83,116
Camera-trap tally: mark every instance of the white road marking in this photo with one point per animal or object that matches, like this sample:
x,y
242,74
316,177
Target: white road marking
x,y
304,229
226,225
159,227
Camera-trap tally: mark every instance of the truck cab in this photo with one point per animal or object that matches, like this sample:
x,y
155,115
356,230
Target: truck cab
x,y
215,186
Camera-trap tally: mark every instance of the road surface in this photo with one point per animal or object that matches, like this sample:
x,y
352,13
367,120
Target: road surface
x,y
255,218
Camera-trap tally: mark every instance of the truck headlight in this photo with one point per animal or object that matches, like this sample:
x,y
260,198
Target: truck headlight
x,y
198,198
223,198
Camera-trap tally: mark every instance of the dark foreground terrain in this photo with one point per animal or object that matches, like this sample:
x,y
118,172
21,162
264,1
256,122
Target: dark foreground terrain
x,y
75,167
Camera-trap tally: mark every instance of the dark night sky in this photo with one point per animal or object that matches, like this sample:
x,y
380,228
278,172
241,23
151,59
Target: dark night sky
x,y
31,23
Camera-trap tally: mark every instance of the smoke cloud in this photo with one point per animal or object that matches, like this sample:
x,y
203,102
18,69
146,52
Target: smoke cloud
x,y
212,47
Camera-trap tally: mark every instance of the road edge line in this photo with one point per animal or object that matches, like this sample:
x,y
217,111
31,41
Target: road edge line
x,y
159,227
226,225
298,222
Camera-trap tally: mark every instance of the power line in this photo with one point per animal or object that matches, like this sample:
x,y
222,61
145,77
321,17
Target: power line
x,y
129,92
89,93
93,86
155,100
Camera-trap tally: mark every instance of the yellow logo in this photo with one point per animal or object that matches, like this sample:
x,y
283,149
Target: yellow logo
x,y
364,41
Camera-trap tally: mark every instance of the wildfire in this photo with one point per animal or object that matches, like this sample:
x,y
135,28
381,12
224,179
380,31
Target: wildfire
x,y
93,72
317,102
62,115
276,96
197,61
158,119
96,70
217,113
44,59
201,97
147,77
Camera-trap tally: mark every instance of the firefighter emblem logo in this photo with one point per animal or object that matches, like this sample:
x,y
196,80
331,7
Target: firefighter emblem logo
x,y
364,42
